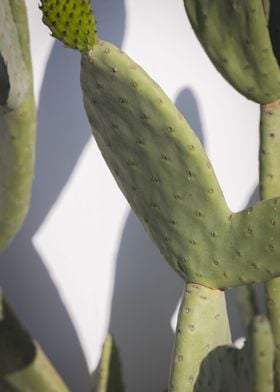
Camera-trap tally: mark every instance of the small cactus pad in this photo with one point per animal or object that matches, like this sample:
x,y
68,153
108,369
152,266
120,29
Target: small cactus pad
x,y
269,157
23,365
15,77
109,377
260,351
166,176
235,35
17,119
70,21
202,327
247,370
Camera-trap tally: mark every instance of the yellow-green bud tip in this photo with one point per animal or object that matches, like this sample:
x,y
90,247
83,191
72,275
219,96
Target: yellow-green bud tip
x,y
70,21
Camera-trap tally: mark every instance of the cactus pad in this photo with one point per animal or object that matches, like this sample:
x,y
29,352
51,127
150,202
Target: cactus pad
x,y
17,119
71,21
202,314
109,377
235,36
23,365
247,370
167,178
15,77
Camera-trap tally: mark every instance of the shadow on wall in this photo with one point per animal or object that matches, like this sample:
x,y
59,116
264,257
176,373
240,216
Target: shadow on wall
x,y
186,103
145,295
63,132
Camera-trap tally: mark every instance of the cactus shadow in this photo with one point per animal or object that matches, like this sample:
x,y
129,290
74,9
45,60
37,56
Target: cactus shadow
x,y
186,103
145,295
63,132
222,368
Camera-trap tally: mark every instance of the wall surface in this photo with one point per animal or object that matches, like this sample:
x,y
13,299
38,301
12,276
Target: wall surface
x,y
82,264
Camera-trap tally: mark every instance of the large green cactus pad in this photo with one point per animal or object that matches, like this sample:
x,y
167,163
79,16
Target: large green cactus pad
x,y
166,176
235,35
17,119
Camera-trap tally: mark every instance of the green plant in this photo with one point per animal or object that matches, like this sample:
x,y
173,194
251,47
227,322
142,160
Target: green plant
x,y
23,365
17,119
165,175
162,169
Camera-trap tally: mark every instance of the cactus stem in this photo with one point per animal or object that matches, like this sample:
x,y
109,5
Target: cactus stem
x,y
270,187
201,315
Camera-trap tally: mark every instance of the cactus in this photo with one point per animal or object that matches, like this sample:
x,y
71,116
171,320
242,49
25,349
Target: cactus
x,y
17,119
249,369
202,314
247,304
165,174
172,186
269,186
109,378
253,54
234,34
163,171
23,365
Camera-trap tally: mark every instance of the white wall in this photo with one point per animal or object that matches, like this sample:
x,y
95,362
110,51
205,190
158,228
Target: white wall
x,y
81,246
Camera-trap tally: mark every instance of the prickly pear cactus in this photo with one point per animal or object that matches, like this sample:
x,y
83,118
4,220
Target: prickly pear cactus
x,y
202,314
250,62
109,377
17,119
249,369
23,365
162,169
167,178
236,37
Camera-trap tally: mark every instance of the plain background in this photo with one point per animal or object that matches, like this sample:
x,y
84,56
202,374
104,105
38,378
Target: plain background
x,y
82,264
